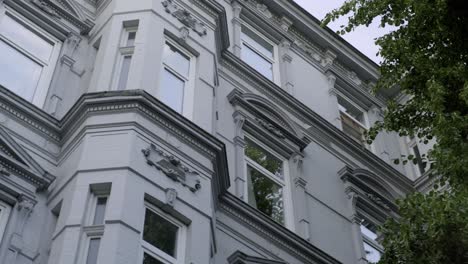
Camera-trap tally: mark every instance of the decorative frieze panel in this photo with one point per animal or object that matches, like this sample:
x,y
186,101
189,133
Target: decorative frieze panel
x,y
271,128
172,168
184,17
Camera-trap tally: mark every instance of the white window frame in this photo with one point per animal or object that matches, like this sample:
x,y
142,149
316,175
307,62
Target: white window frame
x,y
410,144
371,242
364,124
123,51
4,216
156,252
88,242
47,67
92,204
284,183
189,87
275,61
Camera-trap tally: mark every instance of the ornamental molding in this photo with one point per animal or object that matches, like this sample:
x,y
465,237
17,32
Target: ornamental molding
x,y
304,43
271,128
374,198
185,17
4,171
66,10
278,234
26,204
172,167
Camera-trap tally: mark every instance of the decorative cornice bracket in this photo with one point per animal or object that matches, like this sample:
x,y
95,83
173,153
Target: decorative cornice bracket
x,y
185,17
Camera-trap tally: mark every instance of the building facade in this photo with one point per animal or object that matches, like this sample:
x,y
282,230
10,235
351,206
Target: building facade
x,y
190,131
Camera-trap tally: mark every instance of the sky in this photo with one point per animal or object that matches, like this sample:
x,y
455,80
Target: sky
x,y
362,38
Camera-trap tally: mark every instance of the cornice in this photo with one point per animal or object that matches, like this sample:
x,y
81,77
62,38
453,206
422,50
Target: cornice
x,y
278,234
118,102
319,125
308,37
53,11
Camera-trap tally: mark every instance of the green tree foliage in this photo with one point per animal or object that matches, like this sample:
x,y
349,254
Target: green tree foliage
x,y
426,57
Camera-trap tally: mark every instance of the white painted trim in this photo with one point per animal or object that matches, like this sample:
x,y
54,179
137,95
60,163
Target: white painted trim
x,y
157,253
188,100
4,216
289,221
47,72
275,61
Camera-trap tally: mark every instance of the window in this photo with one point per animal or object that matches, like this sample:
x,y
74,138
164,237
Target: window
x,y
100,211
265,181
176,87
418,164
372,248
126,50
93,250
258,53
4,215
352,120
163,238
28,57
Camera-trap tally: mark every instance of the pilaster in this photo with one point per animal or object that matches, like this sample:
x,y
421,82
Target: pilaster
x,y
237,27
286,60
299,189
239,145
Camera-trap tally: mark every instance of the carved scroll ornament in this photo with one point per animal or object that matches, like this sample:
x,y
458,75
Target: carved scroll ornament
x,y
172,168
184,17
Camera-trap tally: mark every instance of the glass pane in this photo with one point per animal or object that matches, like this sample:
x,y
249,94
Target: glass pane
x,y
257,43
25,38
372,254
100,211
18,73
176,60
160,233
369,233
93,251
171,90
352,128
123,78
147,259
131,38
264,159
257,62
351,110
265,195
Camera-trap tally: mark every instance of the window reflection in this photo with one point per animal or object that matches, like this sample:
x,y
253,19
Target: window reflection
x,y
18,73
264,159
160,233
265,195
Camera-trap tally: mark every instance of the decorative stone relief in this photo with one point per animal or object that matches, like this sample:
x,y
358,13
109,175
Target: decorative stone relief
x,y
271,128
378,201
308,50
46,8
184,17
4,171
172,168
184,33
171,197
26,205
329,58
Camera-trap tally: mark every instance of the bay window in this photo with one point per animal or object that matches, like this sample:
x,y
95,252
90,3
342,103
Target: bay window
x,y
29,55
258,53
163,238
266,183
176,88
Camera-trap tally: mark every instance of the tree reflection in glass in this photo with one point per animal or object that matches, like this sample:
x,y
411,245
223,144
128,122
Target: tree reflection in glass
x,y
160,233
147,259
265,195
264,159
